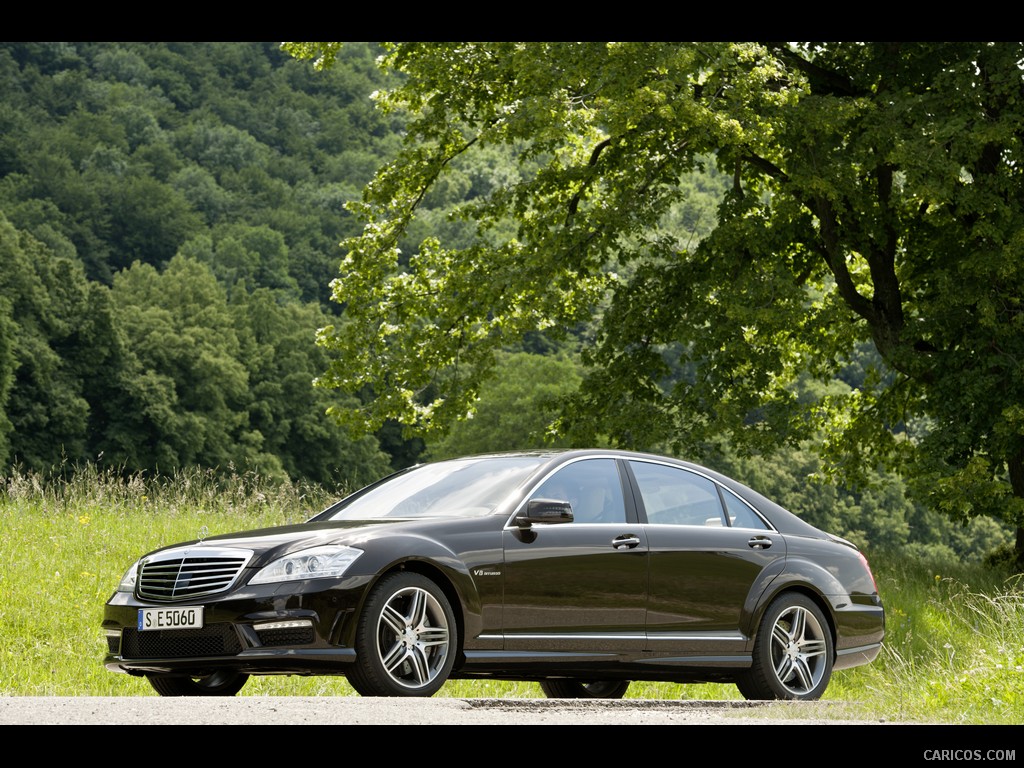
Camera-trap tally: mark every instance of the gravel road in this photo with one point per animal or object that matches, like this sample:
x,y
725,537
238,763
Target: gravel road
x,y
287,710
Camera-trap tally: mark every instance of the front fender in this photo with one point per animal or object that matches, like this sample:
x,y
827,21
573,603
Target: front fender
x,y
452,571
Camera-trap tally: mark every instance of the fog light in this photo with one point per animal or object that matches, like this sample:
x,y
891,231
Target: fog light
x,y
289,624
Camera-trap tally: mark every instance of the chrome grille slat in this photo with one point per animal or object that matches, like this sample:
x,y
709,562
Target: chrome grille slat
x,y
190,572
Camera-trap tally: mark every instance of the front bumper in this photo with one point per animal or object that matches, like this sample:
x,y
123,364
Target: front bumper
x,y
300,628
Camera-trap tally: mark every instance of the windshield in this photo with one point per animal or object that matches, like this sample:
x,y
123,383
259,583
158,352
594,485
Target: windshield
x,y
461,487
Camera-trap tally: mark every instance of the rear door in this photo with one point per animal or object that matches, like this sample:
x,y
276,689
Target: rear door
x,y
711,557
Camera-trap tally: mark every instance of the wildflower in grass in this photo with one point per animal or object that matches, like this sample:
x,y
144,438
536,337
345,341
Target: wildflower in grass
x,y
84,519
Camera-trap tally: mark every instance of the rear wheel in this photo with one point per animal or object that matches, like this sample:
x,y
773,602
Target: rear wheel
x,y
578,689
222,683
793,652
405,640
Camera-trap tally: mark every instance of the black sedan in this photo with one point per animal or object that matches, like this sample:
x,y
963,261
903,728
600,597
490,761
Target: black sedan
x,y
582,570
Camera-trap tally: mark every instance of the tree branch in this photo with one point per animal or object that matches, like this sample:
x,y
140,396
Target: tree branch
x,y
824,82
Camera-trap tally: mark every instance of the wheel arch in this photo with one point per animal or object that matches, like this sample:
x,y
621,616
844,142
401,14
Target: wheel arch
x,y
796,587
440,576
793,651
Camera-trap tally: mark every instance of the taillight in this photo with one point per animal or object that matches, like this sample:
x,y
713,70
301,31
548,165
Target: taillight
x,y
864,562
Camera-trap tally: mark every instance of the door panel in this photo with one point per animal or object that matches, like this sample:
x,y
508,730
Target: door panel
x,y
567,586
704,573
579,585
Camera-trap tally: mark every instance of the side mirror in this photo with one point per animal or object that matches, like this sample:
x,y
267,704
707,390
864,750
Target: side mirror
x,y
545,511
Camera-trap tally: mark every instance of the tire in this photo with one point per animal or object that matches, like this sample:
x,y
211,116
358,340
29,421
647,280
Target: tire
x,y
405,640
222,683
578,689
793,652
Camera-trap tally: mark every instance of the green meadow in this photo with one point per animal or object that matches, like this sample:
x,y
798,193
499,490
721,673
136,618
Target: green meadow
x,y
953,653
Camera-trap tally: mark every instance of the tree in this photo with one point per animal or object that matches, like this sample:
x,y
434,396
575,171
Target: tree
x,y
876,195
46,315
192,175
191,386
278,349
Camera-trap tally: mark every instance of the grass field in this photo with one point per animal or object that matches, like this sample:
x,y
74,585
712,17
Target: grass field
x,y
954,648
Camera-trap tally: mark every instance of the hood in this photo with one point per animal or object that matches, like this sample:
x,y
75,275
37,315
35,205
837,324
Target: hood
x,y
268,544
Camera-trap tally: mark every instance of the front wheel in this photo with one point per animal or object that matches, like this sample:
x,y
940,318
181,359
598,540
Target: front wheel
x,y
222,683
793,652
406,638
578,689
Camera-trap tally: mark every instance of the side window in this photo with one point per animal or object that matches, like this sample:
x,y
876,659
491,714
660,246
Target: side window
x,y
592,487
674,496
740,515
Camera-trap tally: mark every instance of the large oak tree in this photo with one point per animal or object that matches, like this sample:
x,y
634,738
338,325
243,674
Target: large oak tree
x,y
876,197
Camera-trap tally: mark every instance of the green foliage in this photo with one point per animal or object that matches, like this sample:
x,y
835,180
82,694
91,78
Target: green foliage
x,y
139,147
129,171
250,255
323,54
280,353
48,324
657,210
515,409
874,197
880,518
8,364
148,222
195,386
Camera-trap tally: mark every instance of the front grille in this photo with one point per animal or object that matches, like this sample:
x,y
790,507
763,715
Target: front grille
x,y
214,640
183,574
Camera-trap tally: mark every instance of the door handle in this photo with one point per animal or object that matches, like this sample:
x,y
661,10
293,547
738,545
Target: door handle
x,y
626,541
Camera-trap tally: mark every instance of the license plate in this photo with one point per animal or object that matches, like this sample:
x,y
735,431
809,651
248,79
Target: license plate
x,y
181,617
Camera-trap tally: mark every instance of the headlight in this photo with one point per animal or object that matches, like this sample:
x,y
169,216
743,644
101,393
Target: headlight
x,y
315,563
128,580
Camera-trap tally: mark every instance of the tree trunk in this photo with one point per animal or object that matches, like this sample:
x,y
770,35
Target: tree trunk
x,y
1018,560
1016,467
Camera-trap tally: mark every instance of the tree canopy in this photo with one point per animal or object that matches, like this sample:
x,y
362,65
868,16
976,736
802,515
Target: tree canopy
x,y
874,196
169,221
